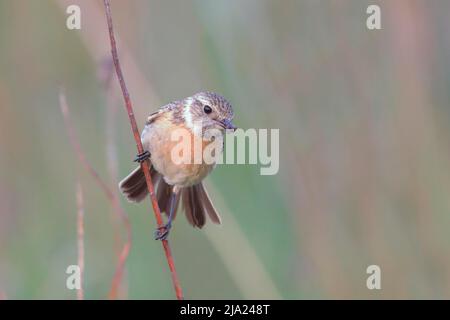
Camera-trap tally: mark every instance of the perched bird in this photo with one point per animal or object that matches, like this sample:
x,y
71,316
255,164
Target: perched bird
x,y
174,181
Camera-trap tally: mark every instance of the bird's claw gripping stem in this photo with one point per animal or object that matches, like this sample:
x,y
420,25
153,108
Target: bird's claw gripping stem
x,y
142,157
161,233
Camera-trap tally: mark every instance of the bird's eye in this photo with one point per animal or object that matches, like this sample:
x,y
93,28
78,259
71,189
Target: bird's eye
x,y
207,109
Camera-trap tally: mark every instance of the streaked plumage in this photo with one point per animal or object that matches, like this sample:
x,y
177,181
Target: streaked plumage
x,y
182,180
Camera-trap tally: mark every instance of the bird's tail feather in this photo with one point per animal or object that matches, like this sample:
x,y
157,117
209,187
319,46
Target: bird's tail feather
x,y
197,205
196,202
164,194
134,186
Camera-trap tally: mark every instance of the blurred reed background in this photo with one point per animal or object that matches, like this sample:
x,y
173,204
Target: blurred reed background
x,y
364,157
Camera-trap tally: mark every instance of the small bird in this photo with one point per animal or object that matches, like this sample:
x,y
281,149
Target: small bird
x,y
174,181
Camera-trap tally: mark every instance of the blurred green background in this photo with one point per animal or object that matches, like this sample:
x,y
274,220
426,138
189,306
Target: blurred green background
x,y
364,154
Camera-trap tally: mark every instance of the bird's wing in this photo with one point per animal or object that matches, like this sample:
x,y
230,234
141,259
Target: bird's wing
x,y
152,117
168,107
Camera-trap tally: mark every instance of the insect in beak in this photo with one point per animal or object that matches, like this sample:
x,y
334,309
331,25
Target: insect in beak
x,y
227,124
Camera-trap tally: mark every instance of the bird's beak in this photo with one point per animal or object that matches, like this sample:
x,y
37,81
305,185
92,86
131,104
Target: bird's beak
x,y
227,124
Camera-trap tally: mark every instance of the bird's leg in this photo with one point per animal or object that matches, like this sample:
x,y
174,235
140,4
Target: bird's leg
x,y
142,157
162,233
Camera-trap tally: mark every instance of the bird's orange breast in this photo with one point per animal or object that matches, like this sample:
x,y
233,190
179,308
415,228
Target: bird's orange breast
x,y
176,152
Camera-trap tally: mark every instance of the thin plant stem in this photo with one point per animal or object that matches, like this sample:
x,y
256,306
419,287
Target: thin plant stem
x,y
112,197
144,165
80,238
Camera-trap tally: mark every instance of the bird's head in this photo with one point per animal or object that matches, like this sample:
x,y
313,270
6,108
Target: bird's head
x,y
209,109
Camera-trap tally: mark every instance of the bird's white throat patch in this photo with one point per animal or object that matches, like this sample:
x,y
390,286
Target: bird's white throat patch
x,y
190,123
187,115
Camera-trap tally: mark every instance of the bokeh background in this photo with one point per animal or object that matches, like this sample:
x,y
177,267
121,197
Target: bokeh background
x,y
364,155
